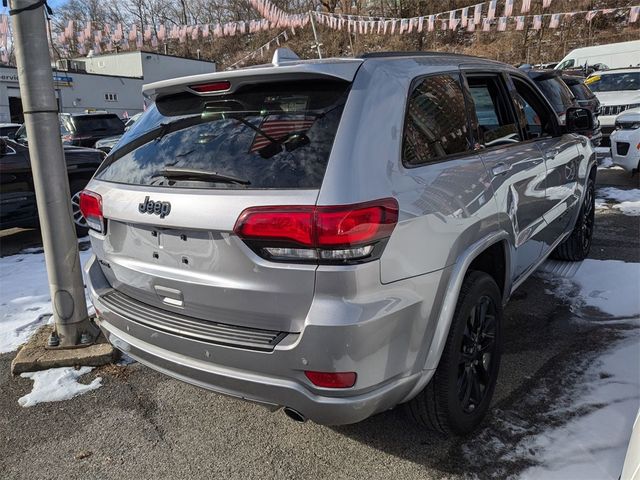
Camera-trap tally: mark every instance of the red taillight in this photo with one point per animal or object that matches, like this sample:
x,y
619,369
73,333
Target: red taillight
x,y
91,208
332,379
211,87
311,233
277,223
357,225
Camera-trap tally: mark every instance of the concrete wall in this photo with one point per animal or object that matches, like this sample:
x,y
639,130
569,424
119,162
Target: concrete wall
x,y
151,66
160,67
126,64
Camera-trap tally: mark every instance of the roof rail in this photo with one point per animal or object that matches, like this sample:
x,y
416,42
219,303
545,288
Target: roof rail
x,y
409,54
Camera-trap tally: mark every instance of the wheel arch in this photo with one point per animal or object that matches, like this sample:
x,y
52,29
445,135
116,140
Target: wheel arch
x,y
478,252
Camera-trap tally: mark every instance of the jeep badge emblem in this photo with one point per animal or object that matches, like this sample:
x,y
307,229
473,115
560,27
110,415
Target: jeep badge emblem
x,y
156,208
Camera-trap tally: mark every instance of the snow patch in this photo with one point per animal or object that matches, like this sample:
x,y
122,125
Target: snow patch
x,y
593,445
57,384
601,204
125,360
24,297
629,200
611,286
606,162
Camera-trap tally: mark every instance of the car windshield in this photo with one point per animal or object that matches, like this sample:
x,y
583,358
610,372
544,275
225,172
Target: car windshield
x,y
21,133
566,64
276,135
98,124
614,82
557,93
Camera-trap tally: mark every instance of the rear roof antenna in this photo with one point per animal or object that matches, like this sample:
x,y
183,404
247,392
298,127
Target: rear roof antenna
x,y
283,55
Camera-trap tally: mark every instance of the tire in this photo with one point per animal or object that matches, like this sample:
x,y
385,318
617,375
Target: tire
x,y
576,247
76,186
450,403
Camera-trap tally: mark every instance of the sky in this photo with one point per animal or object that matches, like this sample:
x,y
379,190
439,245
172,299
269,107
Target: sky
x,y
56,3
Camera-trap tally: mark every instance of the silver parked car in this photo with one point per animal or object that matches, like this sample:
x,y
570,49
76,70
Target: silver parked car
x,y
338,236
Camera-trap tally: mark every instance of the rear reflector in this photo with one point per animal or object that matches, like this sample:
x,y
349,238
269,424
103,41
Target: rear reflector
x,y
327,234
211,87
91,208
332,379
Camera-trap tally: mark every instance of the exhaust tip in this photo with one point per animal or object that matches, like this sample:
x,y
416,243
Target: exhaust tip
x,y
294,414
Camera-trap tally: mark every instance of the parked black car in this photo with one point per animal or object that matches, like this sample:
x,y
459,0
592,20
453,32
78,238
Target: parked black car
x,y
83,129
562,97
9,130
586,99
107,143
17,196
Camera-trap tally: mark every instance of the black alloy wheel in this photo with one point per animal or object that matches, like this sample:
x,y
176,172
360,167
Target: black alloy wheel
x,y
577,245
458,396
476,354
588,218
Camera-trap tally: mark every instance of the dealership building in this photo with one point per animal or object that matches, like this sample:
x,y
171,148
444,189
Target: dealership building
x,y
111,83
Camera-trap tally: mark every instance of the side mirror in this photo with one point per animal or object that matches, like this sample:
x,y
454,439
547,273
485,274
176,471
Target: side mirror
x,y
579,120
3,146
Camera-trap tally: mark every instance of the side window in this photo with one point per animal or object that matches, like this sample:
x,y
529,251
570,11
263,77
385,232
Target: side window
x,y
496,124
534,117
436,121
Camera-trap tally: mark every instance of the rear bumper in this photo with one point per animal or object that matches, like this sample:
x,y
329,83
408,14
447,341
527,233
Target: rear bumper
x,y
384,351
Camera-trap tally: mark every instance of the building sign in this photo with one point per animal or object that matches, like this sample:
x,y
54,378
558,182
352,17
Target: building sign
x,y
62,81
9,77
58,80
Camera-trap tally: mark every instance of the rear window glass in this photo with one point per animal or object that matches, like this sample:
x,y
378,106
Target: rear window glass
x,y
581,91
96,124
276,135
557,93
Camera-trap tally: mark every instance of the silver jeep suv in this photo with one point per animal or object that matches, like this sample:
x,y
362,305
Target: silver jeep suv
x,y
339,236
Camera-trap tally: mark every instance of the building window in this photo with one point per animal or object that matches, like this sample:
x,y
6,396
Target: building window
x,y
111,97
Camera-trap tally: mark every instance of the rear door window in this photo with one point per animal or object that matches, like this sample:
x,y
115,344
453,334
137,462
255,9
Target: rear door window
x,y
436,121
496,124
275,135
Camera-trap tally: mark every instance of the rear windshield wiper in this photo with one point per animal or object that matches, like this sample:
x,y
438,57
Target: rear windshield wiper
x,y
175,173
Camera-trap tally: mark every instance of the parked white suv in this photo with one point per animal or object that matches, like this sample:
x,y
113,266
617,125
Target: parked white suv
x,y
618,91
625,140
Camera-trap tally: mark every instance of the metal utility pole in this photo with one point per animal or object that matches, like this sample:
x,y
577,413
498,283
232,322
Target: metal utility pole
x,y
315,34
72,324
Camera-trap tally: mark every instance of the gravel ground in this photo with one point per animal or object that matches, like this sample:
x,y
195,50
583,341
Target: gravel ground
x,y
141,424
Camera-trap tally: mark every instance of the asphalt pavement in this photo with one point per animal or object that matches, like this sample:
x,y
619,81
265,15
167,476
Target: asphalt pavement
x,y
143,425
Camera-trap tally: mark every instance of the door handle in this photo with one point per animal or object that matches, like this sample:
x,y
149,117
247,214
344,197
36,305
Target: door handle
x,y
500,168
551,154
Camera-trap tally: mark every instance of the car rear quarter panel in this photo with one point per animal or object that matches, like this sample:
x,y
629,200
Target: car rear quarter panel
x,y
444,206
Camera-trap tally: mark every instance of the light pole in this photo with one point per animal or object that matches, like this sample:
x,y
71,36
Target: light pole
x,y
317,43
72,324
